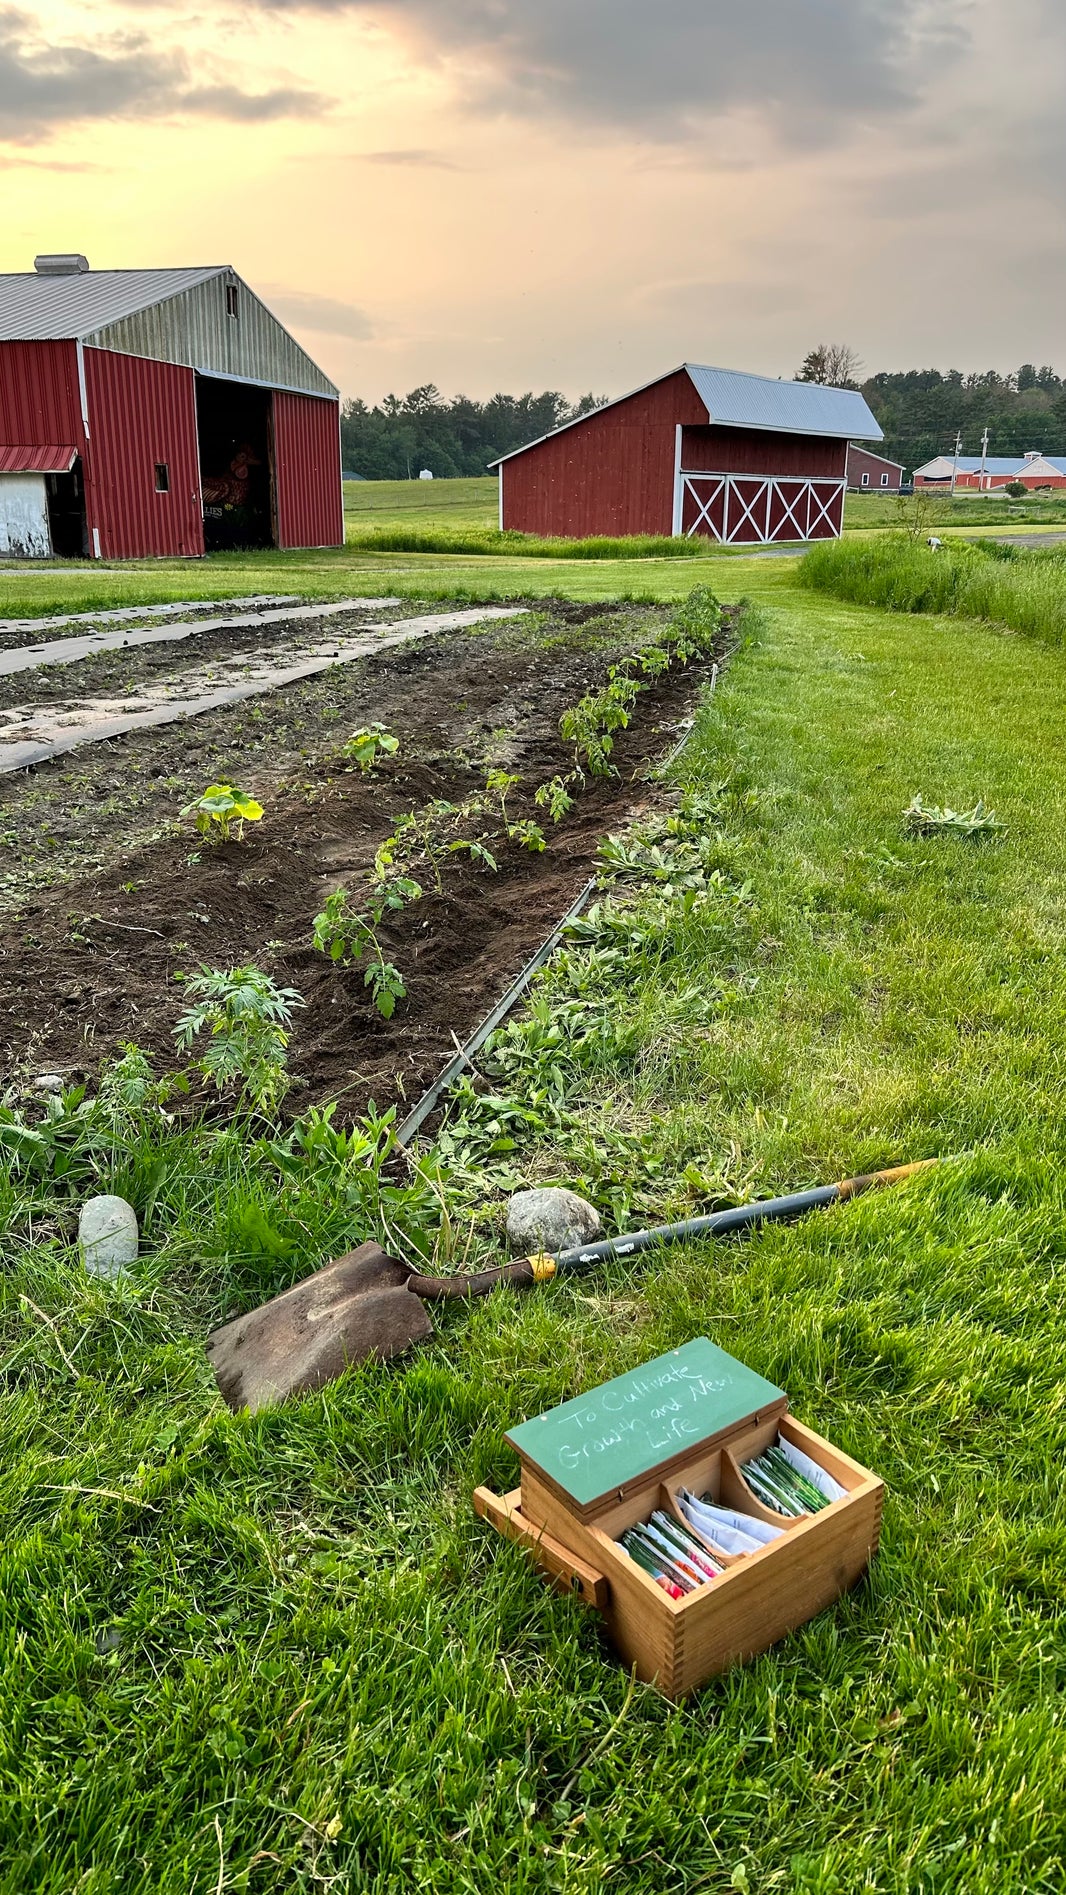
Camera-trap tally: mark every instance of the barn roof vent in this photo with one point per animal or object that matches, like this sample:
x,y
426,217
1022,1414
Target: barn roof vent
x,y
66,265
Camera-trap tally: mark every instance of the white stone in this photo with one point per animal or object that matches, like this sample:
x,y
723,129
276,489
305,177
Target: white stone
x,y
107,1233
550,1219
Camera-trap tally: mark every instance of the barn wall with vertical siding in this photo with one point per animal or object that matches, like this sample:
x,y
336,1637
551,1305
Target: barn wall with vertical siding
x,y
40,402
613,472
141,412
762,451
307,470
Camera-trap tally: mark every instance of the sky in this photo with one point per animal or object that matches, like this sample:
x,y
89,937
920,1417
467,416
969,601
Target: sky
x,y
571,194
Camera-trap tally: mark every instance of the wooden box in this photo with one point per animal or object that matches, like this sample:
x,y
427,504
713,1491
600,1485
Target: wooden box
x,y
677,1644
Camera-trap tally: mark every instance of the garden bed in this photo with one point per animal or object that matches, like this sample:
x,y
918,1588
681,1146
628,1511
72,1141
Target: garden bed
x,y
103,913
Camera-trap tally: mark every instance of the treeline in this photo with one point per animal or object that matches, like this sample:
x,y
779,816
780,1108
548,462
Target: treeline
x,y
397,439
920,410
923,410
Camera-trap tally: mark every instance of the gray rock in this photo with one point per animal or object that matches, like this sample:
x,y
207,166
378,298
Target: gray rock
x,y
550,1219
107,1233
49,1082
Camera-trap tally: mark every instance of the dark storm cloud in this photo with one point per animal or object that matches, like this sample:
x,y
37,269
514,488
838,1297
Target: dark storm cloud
x,y
662,67
44,87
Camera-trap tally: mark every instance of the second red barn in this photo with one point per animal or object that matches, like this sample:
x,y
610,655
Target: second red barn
x,y
737,458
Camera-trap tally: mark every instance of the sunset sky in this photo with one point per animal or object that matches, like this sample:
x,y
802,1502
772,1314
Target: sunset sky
x,y
562,193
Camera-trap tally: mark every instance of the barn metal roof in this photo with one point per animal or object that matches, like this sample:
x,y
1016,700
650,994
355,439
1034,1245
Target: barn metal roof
x,y
734,399
36,308
37,460
178,316
940,467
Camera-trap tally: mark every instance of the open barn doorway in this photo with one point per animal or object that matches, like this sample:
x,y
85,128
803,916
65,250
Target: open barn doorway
x,y
66,514
234,422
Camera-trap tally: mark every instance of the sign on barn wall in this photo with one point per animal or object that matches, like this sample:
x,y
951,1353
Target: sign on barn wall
x,y
24,530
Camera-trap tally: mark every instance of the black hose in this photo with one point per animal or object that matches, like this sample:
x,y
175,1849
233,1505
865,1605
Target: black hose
x,y
718,1224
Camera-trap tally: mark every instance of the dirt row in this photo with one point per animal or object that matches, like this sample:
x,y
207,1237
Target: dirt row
x,y
88,955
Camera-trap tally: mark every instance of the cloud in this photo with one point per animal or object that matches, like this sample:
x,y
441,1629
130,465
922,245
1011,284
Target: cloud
x,y
325,315
431,160
811,67
45,86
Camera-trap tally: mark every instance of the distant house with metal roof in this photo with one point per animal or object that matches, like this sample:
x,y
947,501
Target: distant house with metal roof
x,y
738,458
151,412
974,473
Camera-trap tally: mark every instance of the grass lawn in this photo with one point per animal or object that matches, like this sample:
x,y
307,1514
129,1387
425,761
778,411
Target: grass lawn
x,y
258,1655
452,503
39,591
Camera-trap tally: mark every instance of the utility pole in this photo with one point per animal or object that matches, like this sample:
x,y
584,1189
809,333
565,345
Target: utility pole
x,y
955,462
984,459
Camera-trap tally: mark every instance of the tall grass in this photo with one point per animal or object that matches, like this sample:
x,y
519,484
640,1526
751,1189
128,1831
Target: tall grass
x,y
443,539
1025,590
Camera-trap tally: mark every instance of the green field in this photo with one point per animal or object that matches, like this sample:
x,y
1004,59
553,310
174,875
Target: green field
x,y
281,1654
447,503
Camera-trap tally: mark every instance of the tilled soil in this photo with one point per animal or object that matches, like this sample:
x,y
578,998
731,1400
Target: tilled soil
x,y
88,960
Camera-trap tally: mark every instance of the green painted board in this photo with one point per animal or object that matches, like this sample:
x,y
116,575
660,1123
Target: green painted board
x,y
606,1440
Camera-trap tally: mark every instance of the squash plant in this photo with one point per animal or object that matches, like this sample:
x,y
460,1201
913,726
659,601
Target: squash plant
x,y
222,811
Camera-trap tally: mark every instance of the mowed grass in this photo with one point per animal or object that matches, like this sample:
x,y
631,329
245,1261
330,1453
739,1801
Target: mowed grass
x,y
260,1654
460,503
347,573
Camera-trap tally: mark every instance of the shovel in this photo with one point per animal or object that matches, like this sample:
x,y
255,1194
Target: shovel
x,y
369,1304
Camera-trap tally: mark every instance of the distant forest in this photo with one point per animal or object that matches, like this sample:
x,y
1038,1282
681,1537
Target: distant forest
x,y
920,411
406,433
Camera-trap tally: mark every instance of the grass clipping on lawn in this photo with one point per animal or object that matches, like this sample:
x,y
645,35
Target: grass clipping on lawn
x,y
264,1654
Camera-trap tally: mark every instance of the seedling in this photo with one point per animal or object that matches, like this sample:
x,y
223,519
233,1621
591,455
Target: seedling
x,y
346,935
555,797
927,819
366,745
222,812
247,1018
529,834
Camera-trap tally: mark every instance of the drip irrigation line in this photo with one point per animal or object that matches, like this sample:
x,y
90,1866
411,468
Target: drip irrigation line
x,y
464,1057
672,756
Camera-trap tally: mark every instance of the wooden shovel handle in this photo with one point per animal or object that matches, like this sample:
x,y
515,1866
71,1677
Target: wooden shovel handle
x,y
434,1289
851,1187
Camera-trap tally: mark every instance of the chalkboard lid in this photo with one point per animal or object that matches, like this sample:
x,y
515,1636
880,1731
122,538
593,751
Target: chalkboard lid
x,y
595,1448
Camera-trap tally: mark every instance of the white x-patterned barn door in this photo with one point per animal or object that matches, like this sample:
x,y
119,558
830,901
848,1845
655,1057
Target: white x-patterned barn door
x,y
753,509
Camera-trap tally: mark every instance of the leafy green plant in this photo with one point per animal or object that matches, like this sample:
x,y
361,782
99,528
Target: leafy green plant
x,y
246,1018
222,811
364,746
346,935
928,819
555,797
339,931
529,834
590,723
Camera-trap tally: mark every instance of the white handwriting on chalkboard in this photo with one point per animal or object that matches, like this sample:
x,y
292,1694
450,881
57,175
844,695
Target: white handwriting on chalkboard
x,y
663,1427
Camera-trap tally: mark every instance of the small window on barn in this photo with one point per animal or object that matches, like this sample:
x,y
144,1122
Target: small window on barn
x,y
231,300
884,480
162,477
866,480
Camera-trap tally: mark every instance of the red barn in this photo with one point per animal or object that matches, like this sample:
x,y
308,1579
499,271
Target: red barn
x,y
155,412
872,472
737,458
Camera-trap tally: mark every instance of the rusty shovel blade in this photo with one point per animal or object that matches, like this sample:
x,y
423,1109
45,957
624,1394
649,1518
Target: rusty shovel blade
x,y
358,1306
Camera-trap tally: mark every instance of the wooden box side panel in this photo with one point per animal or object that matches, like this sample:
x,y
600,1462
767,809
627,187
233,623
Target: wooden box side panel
x,y
774,1592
